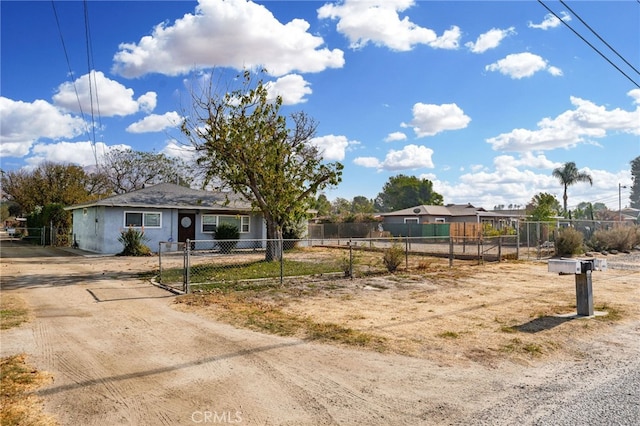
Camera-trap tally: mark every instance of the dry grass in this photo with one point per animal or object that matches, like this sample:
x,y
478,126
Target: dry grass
x,y
13,311
18,380
19,406
486,314
242,310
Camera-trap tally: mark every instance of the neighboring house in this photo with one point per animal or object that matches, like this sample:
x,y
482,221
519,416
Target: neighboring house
x,y
451,213
630,215
166,212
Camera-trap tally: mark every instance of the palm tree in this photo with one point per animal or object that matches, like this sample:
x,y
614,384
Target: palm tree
x,y
568,175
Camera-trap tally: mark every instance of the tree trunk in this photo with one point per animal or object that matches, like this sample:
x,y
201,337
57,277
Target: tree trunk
x,y
274,241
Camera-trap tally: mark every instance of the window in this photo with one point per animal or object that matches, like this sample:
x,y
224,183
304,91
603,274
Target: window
x,y
410,220
211,221
140,219
440,220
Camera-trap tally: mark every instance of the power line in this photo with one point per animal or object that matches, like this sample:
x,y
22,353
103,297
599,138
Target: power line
x,y
66,55
600,38
90,72
589,44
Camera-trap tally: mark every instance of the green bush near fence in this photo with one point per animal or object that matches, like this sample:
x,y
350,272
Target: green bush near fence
x,y
393,257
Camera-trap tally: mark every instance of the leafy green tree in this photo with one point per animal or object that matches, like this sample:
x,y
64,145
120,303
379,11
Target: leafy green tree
x,y
361,204
4,211
543,207
243,140
125,170
54,217
49,183
589,211
569,175
402,192
635,187
322,205
340,207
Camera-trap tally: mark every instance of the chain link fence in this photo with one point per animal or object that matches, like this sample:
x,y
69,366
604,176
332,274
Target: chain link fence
x,y
45,236
538,239
210,264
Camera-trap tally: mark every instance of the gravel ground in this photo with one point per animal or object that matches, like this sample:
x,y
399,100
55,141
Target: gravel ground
x,y
629,261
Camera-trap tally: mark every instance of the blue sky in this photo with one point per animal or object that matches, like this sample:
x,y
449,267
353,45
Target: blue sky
x,y
484,99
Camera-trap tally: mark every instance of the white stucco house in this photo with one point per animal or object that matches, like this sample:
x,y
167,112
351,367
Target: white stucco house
x,y
166,212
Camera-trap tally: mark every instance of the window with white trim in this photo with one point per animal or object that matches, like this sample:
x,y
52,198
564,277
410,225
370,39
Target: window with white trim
x,y
411,220
211,221
140,219
440,220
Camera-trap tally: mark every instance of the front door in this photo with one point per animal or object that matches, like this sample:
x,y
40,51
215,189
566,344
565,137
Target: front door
x,y
186,227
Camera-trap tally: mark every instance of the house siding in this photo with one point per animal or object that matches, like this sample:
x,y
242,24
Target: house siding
x,y
98,229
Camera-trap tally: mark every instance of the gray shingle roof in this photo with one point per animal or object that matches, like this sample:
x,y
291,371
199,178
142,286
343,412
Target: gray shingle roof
x,y
448,210
169,195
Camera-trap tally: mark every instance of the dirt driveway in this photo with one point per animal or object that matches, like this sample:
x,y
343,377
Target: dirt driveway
x,y
121,353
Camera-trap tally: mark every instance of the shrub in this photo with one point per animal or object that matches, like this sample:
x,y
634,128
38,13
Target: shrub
x,y
228,235
393,257
569,242
620,238
292,233
133,242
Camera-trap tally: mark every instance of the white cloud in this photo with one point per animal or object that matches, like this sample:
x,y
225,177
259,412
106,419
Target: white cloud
x,y
378,22
292,88
174,149
395,136
410,157
23,123
635,94
430,119
489,40
570,128
526,159
555,71
155,123
369,162
332,147
80,153
513,180
109,97
550,21
519,65
232,33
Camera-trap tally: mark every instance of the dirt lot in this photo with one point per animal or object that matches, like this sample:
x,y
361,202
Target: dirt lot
x,y
483,344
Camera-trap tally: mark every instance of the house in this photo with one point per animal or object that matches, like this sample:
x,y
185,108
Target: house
x,y
449,220
450,213
166,212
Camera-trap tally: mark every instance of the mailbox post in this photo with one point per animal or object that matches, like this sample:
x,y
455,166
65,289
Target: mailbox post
x,y
582,270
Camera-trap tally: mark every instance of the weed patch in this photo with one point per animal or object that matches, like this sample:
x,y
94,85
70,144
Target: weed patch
x,y
13,311
18,404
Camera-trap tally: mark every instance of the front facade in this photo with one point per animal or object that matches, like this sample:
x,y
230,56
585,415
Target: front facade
x,y
166,213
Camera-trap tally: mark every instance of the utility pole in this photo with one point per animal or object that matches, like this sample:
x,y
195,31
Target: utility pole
x,y
620,186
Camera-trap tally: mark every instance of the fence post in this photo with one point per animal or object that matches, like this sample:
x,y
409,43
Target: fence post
x,y
350,259
406,253
450,252
281,257
517,240
160,262
43,239
187,254
500,249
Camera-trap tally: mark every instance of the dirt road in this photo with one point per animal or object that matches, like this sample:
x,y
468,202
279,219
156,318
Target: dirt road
x,y
121,354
